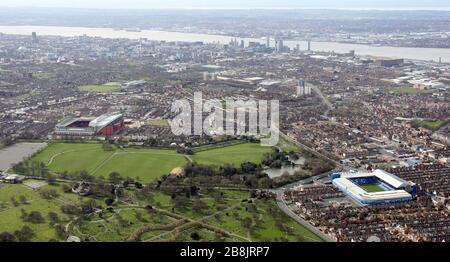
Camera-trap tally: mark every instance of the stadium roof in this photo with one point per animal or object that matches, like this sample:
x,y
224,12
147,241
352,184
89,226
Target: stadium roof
x,y
354,190
346,184
394,181
104,120
70,120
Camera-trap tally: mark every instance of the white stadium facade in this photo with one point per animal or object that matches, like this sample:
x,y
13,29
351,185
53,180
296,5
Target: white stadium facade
x,y
392,189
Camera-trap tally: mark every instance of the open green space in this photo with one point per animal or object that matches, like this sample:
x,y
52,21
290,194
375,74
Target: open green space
x,y
223,215
145,164
432,124
108,87
407,90
235,155
287,146
259,220
372,188
11,206
158,122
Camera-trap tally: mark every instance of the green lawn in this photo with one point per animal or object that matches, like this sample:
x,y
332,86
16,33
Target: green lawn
x,y
147,164
406,90
10,214
158,122
432,124
287,146
234,155
225,211
108,87
264,224
372,188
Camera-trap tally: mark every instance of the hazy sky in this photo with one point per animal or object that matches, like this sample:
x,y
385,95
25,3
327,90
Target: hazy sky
x,y
233,4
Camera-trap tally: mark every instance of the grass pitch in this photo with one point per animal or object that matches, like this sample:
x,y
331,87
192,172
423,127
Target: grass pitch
x,y
432,124
108,87
372,188
145,164
234,155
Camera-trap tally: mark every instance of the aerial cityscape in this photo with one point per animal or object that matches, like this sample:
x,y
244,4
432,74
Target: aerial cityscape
x,y
225,124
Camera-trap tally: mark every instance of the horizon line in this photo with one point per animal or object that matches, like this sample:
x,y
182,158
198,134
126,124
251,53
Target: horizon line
x,y
437,9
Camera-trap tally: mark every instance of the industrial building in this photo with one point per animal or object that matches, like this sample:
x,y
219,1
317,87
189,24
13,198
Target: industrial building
x,y
105,125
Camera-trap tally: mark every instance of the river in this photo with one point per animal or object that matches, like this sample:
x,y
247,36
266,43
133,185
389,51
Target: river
x,y
424,54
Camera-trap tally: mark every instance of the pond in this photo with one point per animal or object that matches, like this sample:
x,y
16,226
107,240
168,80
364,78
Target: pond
x,y
14,154
277,172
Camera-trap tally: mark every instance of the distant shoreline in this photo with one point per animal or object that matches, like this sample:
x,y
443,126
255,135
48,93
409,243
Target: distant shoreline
x,y
409,53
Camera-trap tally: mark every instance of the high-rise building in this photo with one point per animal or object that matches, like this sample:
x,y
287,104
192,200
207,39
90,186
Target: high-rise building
x,y
279,45
309,45
303,89
34,37
267,42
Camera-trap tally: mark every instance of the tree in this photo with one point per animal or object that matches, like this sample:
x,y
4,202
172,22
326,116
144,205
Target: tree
x,y
115,178
180,202
24,234
48,193
54,218
84,176
228,170
249,167
23,214
61,232
247,223
199,206
89,206
70,209
107,147
195,236
8,141
7,237
23,199
14,201
109,201
51,179
35,217
66,188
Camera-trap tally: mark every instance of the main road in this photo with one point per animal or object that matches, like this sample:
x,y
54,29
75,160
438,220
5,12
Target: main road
x,y
288,211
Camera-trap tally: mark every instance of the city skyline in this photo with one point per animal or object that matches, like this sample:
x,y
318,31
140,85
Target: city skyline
x,y
234,4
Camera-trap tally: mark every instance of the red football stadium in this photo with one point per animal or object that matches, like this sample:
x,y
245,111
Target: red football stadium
x,y
105,125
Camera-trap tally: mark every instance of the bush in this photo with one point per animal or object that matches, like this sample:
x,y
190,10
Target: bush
x,y
35,217
7,237
48,193
24,234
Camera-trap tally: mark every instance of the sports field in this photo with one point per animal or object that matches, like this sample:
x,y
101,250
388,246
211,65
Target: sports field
x,y
431,124
145,164
108,87
372,188
234,155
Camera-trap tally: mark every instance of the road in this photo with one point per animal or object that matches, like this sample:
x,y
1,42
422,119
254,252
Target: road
x,y
324,100
284,207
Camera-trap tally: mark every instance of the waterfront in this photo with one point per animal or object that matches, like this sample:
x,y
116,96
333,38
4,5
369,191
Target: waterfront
x,y
424,54
14,154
